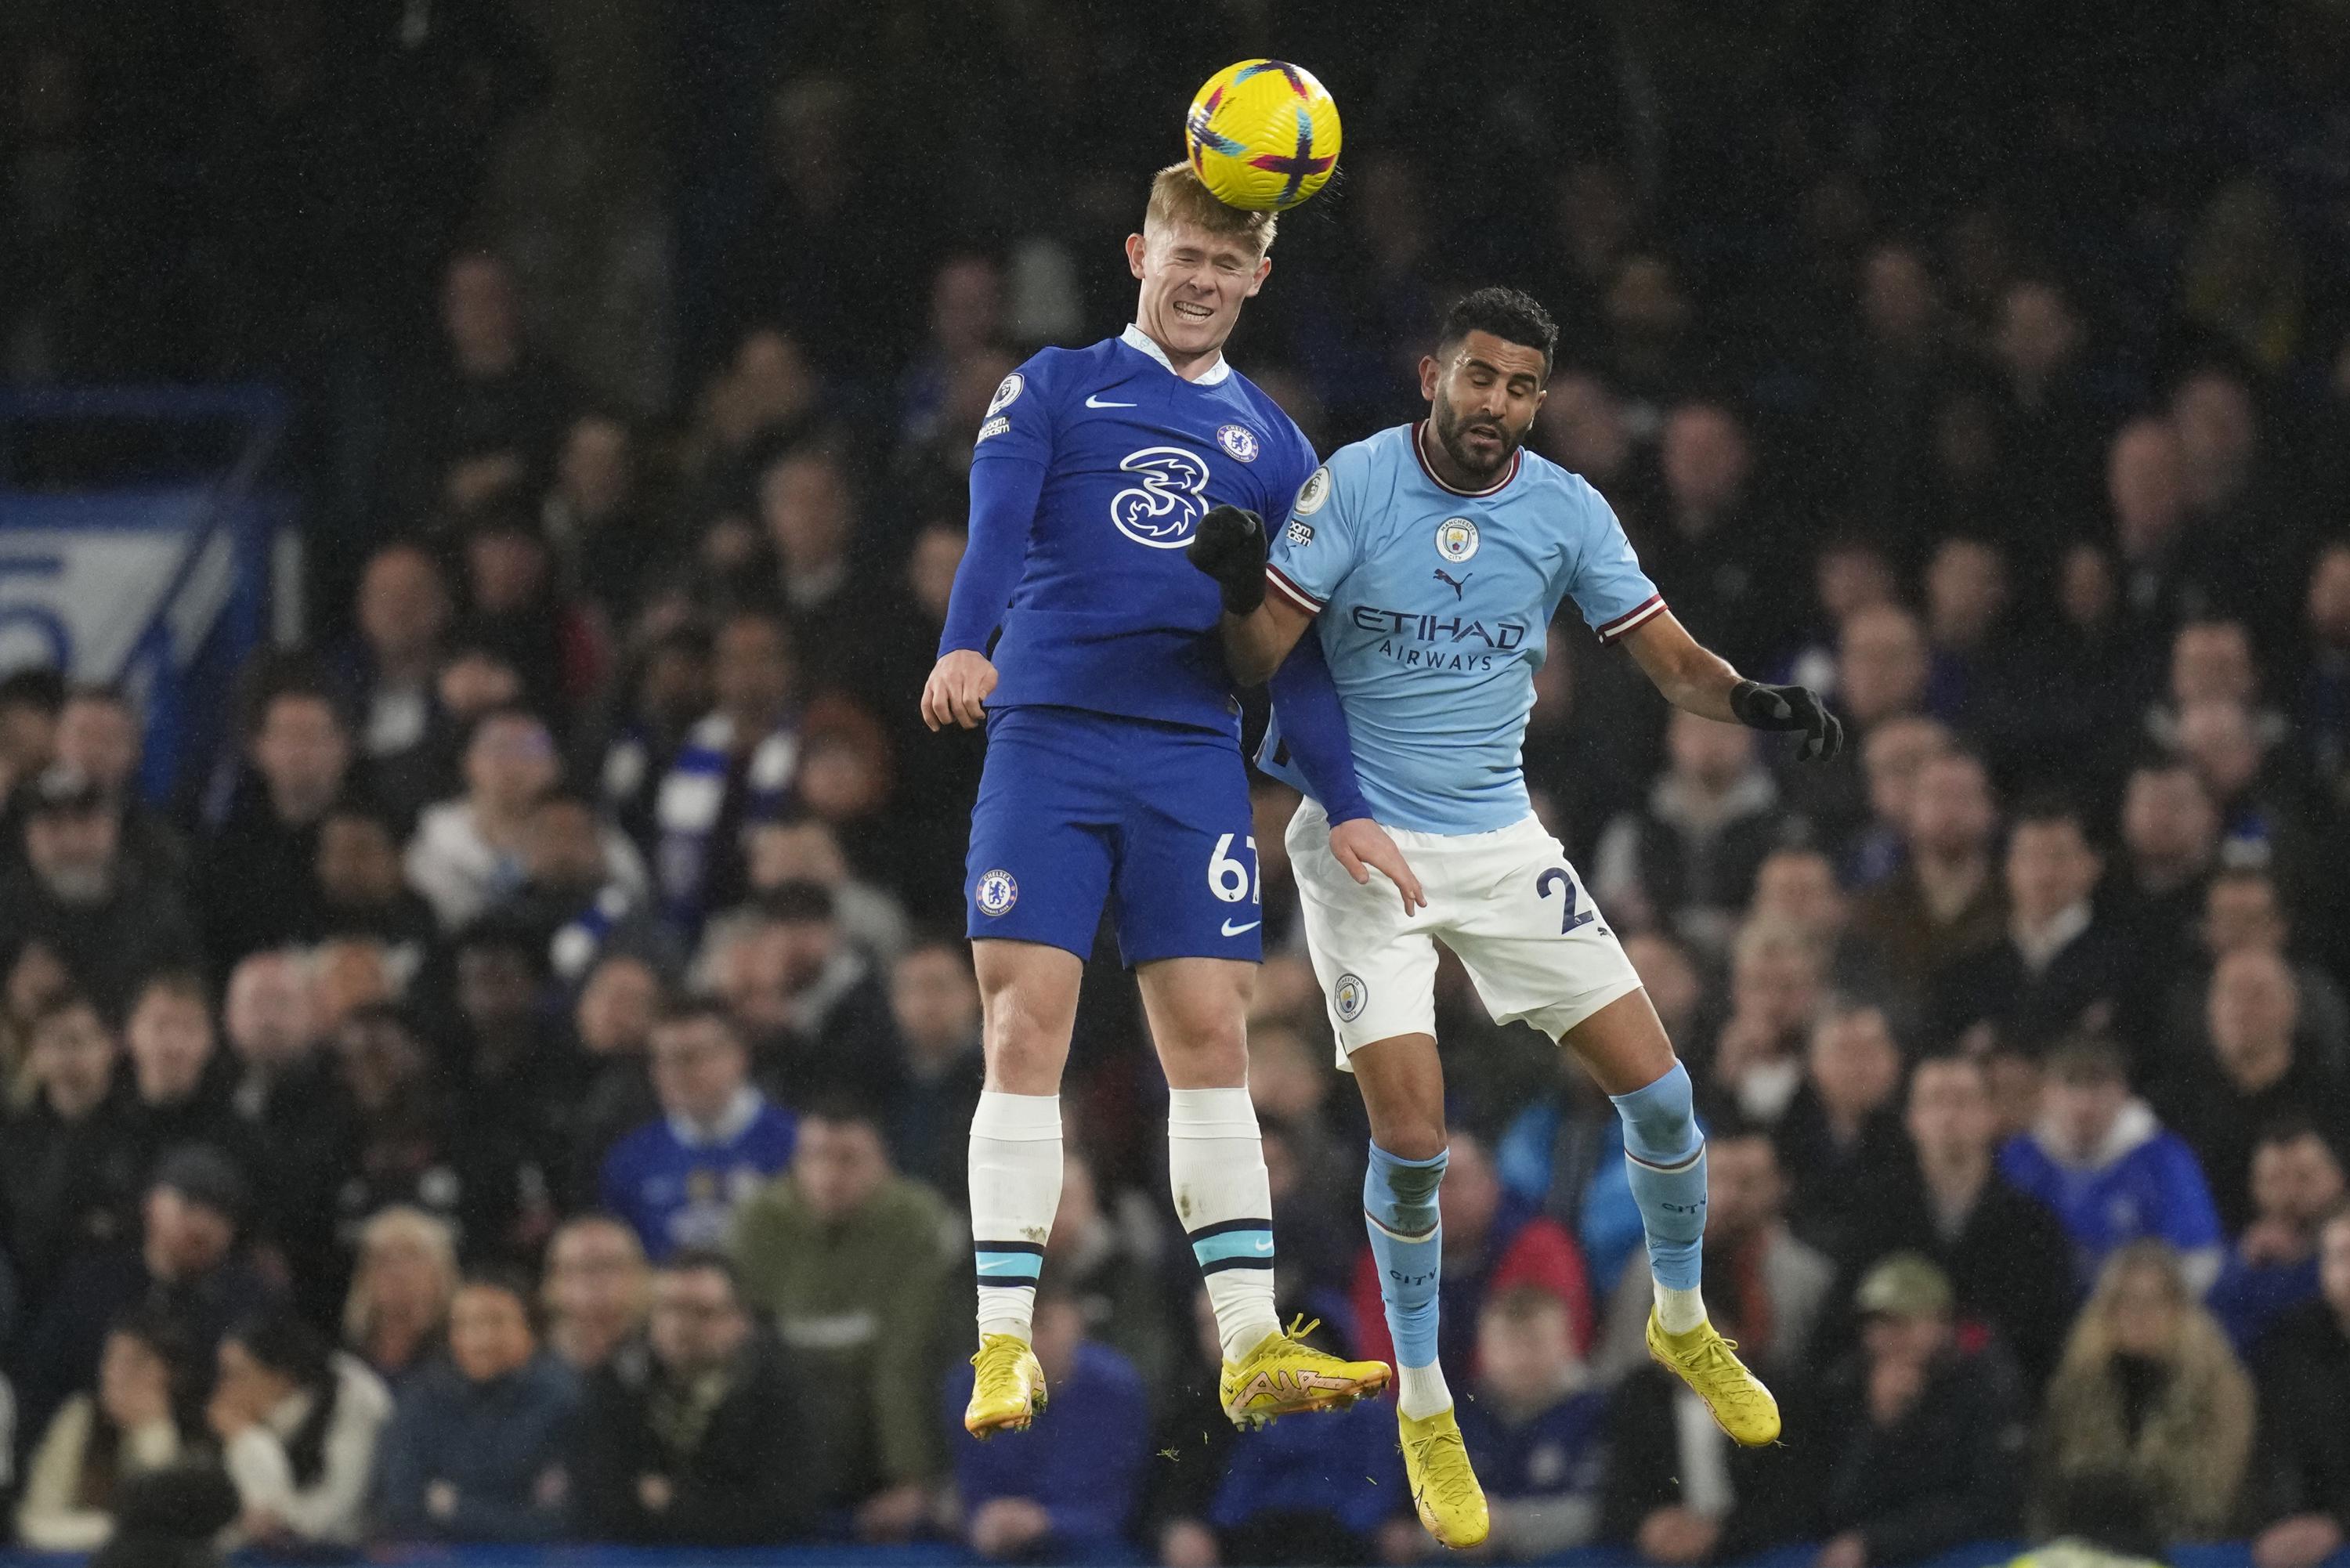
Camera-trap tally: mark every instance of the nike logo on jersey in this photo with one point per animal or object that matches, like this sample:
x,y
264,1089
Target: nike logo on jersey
x,y
1233,930
1095,402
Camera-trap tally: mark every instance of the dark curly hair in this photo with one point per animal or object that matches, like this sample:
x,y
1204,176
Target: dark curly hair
x,y
1511,315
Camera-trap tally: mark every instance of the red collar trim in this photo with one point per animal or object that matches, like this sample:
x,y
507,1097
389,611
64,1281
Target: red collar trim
x,y
1420,430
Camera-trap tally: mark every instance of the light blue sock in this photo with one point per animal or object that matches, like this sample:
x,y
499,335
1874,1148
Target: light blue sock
x,y
1665,1154
1408,1242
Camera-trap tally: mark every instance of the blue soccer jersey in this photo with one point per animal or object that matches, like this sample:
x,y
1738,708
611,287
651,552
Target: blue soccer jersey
x,y
1117,459
1113,756
1433,605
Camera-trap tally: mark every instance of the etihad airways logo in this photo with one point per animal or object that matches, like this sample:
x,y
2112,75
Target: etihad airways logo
x,y
1500,636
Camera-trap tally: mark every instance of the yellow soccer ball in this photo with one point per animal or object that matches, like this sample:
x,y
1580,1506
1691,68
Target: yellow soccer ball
x,y
1262,134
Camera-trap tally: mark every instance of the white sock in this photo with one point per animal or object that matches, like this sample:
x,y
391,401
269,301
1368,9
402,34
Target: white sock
x,y
1215,1165
1421,1390
1016,1186
1678,1311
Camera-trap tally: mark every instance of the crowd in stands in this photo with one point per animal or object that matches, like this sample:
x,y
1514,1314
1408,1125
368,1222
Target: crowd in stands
x,y
515,1090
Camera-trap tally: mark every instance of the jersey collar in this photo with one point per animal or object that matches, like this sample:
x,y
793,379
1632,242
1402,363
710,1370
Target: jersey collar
x,y
1419,432
1136,338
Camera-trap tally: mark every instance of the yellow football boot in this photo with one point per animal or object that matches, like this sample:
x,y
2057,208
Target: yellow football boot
x,y
1007,1387
1283,1375
1701,1358
1451,1502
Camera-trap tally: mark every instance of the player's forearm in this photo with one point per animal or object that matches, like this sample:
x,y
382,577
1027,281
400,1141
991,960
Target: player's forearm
x,y
1254,645
1003,494
1684,672
1313,729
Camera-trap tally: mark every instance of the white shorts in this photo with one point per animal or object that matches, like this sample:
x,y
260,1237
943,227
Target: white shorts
x,y
1507,903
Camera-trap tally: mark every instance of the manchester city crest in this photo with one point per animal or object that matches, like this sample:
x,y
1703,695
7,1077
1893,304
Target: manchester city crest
x,y
1348,998
1238,440
1456,539
996,892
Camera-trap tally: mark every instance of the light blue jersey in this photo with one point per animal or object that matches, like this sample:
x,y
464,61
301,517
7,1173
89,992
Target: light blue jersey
x,y
1432,604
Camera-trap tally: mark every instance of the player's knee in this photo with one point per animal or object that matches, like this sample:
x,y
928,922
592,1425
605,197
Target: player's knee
x,y
1660,1120
1024,1051
1414,1135
1206,1054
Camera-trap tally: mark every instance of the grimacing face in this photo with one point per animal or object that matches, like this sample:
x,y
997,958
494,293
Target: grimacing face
x,y
1484,393
1193,284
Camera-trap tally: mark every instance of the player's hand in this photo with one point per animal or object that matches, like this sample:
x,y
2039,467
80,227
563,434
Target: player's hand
x,y
1229,547
957,691
1761,707
1363,846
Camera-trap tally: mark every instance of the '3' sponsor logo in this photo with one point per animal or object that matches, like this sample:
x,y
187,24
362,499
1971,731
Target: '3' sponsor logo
x,y
1165,508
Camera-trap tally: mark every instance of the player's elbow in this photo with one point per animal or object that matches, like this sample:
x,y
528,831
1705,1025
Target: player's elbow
x,y
1249,654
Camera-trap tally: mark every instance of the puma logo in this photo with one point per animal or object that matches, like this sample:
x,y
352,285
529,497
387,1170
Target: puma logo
x,y
1458,585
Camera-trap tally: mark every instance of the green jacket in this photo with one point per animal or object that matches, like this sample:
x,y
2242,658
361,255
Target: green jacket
x,y
858,1305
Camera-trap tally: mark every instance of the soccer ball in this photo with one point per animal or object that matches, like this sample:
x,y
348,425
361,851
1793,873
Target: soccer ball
x,y
1262,134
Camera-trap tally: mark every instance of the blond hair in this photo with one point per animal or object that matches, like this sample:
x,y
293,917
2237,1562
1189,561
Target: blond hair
x,y
390,1227
1178,197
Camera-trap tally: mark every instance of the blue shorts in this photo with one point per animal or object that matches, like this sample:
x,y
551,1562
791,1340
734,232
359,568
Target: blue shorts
x,y
1076,807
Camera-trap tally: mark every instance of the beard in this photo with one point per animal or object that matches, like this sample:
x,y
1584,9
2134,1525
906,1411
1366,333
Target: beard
x,y
1452,431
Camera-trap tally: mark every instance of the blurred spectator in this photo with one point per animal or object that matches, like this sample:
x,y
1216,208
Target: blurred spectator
x,y
1287,1494
851,1261
84,899
1536,1430
362,886
596,517
98,736
2170,840
257,873
30,702
1841,1142
663,689
2149,1385
1064,1489
1686,861
180,1081
71,1168
611,1027
816,1017
517,613
596,1290
2008,1263
1757,1274
471,851
188,1264
809,515
1775,985
1494,1241
175,1516
2109,1170
2301,1491
1891,759
2253,1072
2322,706
395,1318
808,849
412,1141
2273,1266
144,1415
2241,909
733,768
1109,1259
680,1182
934,1001
683,1434
1945,900
1679,1492
1705,554
2059,969
390,679
1966,607
584,889
485,419
1933,1454
2222,741
298,1424
475,1451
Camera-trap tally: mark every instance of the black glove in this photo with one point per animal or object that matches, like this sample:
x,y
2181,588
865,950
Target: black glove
x,y
1761,707
1229,547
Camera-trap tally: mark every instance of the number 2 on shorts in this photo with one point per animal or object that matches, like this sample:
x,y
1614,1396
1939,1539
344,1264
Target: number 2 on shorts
x,y
1565,880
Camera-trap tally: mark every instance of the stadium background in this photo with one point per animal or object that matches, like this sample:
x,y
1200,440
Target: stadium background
x,y
1989,365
